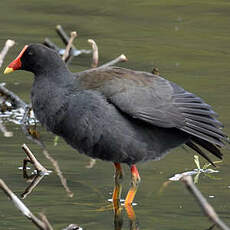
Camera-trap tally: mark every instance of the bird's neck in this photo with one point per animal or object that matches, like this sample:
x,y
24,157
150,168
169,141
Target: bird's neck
x,y
49,96
59,75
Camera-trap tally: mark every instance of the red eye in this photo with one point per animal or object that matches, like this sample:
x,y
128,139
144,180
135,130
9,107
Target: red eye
x,y
30,53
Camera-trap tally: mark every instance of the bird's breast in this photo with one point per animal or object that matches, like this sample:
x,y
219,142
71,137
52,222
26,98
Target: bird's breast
x,y
49,105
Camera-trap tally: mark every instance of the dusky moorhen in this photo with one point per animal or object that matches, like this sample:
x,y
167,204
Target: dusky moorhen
x,y
117,114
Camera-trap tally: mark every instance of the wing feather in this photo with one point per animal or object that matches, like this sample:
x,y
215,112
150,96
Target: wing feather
x,y
157,101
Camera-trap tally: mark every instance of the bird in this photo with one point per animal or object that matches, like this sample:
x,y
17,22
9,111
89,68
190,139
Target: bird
x,y
117,114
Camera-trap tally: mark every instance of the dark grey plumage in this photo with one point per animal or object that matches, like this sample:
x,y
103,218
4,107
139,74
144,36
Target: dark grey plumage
x,y
118,114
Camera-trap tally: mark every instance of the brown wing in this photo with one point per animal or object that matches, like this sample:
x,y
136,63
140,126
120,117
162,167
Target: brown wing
x,y
155,100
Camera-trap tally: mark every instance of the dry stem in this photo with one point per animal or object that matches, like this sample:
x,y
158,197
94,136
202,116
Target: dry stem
x,y
95,54
207,208
47,155
18,102
64,37
121,58
45,221
9,43
35,181
59,172
69,45
33,159
21,206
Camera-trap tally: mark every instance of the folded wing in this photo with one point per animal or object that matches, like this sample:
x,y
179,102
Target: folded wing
x,y
157,101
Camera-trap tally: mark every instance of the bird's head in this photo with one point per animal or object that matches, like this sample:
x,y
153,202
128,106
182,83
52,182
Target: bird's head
x,y
35,58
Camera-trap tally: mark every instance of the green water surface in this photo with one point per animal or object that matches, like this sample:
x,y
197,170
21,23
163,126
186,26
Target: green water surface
x,y
189,41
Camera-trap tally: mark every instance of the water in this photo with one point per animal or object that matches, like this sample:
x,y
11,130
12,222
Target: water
x,y
187,41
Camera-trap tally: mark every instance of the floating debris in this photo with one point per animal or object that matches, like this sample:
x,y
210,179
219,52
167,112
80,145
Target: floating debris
x,y
73,227
211,196
178,176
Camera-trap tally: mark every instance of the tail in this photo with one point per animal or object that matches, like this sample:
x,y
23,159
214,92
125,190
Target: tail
x,y
195,143
200,121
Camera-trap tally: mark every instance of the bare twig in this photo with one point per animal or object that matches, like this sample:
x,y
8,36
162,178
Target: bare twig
x,y
69,45
26,114
95,56
16,101
207,208
50,44
211,227
42,224
9,43
36,179
46,154
25,128
59,172
45,221
64,37
21,206
33,160
121,58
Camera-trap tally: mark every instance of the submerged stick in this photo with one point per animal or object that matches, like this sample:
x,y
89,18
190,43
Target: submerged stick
x,y
207,208
59,172
21,206
33,184
45,221
47,155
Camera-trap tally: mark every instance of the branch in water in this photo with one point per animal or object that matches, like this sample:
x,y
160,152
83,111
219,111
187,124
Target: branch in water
x,y
16,101
33,160
21,206
43,223
59,172
207,208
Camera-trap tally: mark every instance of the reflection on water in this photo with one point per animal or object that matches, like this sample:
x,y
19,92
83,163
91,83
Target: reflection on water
x,y
188,42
